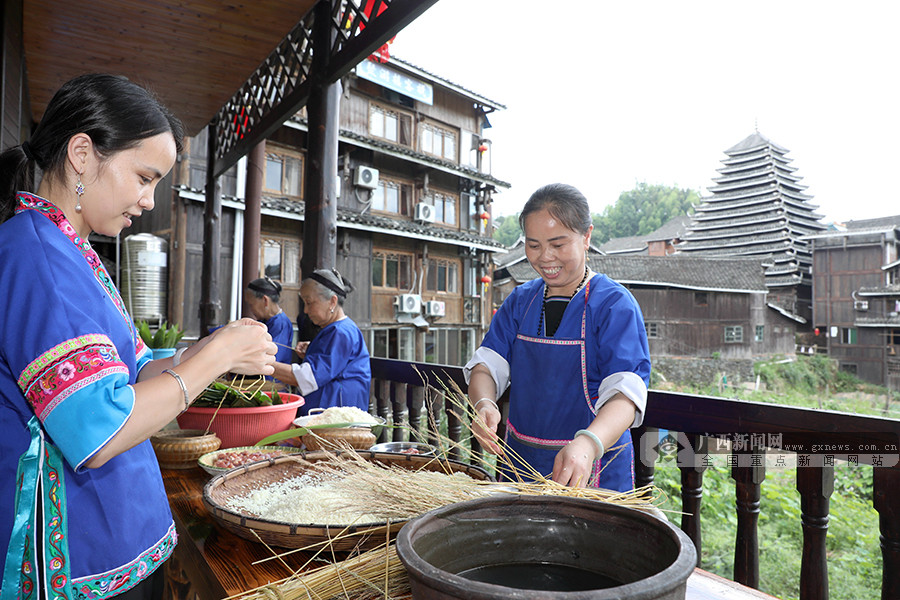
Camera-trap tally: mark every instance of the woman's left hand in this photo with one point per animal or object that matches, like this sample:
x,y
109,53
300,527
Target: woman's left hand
x,y
574,463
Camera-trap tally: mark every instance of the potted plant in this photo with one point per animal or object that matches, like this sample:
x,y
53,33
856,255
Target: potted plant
x,y
162,342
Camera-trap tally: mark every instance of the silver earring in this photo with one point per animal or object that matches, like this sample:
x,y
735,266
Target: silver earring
x,y
79,191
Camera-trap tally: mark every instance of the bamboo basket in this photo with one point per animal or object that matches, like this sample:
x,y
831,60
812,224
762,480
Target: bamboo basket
x,y
180,448
239,481
360,438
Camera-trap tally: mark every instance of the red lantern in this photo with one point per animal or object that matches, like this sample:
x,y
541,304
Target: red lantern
x,y
486,279
485,216
817,331
482,148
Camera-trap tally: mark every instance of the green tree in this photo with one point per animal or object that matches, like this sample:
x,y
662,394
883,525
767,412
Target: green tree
x,y
507,231
642,210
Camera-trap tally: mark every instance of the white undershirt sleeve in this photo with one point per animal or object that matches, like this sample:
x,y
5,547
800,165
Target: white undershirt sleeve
x,y
306,381
629,384
495,363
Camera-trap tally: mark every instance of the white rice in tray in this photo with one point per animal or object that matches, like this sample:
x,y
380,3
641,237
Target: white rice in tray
x,y
303,500
342,414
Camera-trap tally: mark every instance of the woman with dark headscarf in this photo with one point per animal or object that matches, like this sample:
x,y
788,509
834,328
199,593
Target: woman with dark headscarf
x,y
262,297
335,370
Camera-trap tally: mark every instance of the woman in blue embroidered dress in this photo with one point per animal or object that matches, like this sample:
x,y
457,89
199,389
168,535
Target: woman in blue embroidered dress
x,y
261,297
572,346
83,511
335,370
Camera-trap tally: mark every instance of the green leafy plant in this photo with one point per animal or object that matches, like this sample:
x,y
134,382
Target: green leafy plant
x,y
164,337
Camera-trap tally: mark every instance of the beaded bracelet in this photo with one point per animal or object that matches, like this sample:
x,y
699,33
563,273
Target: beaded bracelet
x,y
184,390
594,438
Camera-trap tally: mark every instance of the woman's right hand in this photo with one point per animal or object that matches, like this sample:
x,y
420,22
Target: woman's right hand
x,y
247,347
484,427
301,349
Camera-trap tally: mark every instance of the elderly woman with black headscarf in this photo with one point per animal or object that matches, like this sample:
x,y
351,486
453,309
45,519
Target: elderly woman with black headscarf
x,y
262,298
335,368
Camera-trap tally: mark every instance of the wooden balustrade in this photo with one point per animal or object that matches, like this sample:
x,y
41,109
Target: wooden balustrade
x,y
413,394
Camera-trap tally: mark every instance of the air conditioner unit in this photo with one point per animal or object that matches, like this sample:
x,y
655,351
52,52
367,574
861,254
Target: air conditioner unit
x,y
365,177
434,308
424,213
860,305
408,303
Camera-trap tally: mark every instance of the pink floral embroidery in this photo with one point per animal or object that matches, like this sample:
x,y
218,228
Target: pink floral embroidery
x,y
66,371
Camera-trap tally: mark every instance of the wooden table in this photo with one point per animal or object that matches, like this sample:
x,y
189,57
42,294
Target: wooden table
x,y
211,563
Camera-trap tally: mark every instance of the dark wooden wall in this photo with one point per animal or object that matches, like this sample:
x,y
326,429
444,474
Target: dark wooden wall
x,y
838,272
686,328
16,111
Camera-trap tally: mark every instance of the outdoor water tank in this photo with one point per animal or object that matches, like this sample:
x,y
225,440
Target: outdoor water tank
x,y
144,276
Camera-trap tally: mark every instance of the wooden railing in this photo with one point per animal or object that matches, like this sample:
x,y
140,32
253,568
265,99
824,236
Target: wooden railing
x,y
405,392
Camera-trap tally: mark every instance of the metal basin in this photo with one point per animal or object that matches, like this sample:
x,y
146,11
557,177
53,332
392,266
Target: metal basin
x,y
544,548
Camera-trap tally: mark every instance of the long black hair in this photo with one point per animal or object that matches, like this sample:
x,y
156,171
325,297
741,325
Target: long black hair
x,y
114,111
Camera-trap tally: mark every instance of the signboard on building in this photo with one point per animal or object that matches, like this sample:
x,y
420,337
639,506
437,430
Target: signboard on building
x,y
394,80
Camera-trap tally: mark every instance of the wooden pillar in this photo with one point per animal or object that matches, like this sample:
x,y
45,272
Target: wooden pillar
x,y
178,244
692,488
382,389
645,454
748,490
323,107
815,485
887,503
256,162
401,413
210,303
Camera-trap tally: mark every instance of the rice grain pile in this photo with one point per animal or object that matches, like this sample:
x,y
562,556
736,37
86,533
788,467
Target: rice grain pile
x,y
302,500
350,490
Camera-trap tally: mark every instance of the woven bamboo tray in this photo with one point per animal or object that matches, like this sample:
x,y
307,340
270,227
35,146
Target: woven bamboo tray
x,y
289,535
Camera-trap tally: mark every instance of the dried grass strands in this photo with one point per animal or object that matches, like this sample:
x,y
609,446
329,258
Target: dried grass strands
x,y
527,480
375,574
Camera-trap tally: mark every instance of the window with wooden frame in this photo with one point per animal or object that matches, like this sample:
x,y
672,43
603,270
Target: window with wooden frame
x,y
398,343
392,270
390,124
438,141
701,299
449,346
445,206
284,173
280,259
442,275
734,334
652,329
393,196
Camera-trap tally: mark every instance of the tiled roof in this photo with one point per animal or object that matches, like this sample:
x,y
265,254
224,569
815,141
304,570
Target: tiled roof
x,y
878,223
386,224
888,321
884,290
731,274
753,141
673,229
346,134
468,171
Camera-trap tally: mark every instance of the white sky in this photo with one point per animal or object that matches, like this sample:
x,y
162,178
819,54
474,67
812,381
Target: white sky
x,y
656,91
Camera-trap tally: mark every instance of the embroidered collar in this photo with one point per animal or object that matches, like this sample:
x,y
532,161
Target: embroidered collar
x,y
26,201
